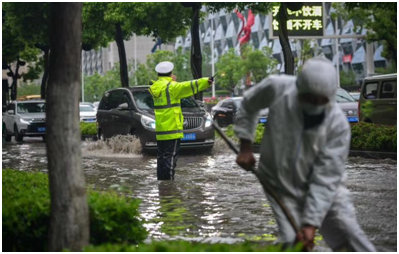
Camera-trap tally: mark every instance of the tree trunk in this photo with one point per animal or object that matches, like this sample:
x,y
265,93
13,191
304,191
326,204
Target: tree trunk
x,y
69,217
196,56
284,41
122,56
15,76
45,73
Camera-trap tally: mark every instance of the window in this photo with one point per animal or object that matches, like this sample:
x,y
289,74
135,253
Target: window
x,y
116,98
31,107
388,89
370,91
343,96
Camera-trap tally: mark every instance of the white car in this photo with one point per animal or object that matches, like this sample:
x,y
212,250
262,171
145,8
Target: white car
x,y
25,118
87,113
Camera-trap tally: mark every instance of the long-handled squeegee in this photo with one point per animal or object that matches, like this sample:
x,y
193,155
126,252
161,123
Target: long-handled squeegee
x,y
264,184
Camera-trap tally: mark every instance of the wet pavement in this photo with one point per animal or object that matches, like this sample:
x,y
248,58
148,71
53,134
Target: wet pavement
x,y
212,199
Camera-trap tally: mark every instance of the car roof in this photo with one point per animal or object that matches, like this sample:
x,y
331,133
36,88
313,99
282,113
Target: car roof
x,y
136,88
30,101
384,76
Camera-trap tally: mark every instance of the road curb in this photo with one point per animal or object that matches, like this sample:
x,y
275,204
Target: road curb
x,y
373,154
354,153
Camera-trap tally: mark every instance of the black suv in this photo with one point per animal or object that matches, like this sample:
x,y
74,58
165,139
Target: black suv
x,y
130,110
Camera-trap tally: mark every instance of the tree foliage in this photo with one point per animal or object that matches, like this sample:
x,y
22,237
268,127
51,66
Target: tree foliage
x,y
232,67
260,63
95,85
181,60
379,18
230,70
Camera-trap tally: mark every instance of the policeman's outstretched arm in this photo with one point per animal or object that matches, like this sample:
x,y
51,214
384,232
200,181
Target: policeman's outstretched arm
x,y
246,158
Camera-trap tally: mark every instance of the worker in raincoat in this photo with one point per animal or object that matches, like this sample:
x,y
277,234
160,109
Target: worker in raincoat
x,y
166,93
303,154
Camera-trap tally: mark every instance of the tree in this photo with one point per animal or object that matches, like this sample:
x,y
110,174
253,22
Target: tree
x,y
379,18
121,20
69,218
29,21
259,63
17,50
146,72
230,69
95,85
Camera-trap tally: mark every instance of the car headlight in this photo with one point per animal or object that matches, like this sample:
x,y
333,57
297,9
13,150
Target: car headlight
x,y
25,120
351,113
208,121
148,123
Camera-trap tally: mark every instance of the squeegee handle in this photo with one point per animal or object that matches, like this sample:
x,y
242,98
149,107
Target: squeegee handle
x,y
266,187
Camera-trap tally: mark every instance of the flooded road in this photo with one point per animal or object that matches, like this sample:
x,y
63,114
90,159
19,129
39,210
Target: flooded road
x,y
212,199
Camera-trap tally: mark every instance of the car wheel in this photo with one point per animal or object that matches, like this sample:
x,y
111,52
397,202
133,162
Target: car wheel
x,y
18,136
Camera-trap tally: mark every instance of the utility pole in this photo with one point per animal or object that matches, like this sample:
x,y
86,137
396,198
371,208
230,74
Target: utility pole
x,y
369,59
337,51
83,82
213,61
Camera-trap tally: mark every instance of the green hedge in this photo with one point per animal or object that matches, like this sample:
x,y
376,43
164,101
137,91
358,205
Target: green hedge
x,y
26,214
88,128
373,137
365,136
184,246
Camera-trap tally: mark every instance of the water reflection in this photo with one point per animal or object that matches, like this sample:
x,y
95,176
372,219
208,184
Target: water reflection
x,y
212,199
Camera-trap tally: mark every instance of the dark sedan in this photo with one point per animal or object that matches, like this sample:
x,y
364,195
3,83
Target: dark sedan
x,y
124,111
224,112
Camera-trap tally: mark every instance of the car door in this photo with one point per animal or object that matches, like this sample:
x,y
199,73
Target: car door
x,y
124,117
385,105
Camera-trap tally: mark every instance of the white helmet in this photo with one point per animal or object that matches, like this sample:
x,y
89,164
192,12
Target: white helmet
x,y
164,67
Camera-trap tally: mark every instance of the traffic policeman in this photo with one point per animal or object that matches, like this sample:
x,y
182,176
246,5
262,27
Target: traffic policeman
x,y
167,93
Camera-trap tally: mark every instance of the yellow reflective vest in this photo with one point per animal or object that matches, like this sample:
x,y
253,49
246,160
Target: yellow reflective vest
x,y
167,95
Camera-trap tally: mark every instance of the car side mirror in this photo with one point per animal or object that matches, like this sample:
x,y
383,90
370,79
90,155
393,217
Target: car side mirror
x,y
123,106
11,111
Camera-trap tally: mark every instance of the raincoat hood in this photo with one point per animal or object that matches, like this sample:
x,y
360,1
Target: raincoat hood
x,y
318,76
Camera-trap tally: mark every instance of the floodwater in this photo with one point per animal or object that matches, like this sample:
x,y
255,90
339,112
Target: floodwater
x,y
212,199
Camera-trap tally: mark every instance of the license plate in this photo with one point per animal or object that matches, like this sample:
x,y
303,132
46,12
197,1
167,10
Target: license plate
x,y
41,129
189,136
262,120
353,119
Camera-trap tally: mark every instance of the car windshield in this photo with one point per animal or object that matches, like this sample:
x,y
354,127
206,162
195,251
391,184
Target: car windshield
x,y
144,101
86,108
31,107
343,96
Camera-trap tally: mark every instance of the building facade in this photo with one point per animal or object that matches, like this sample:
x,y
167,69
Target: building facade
x,y
225,28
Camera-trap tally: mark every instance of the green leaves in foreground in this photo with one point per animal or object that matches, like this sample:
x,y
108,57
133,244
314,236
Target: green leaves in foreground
x,y
184,246
26,214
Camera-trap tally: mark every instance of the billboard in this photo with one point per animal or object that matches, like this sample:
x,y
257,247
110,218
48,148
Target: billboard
x,y
308,22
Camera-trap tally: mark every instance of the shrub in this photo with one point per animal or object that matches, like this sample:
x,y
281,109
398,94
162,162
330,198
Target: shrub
x,y
365,136
185,246
88,128
373,137
26,214
260,128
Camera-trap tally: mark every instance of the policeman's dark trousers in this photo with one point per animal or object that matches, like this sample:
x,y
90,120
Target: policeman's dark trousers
x,y
167,157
